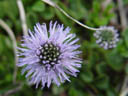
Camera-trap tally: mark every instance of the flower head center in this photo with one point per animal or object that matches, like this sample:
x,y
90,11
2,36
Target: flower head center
x,y
107,35
49,55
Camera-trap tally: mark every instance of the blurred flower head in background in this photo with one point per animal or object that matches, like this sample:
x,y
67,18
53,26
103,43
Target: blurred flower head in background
x,y
106,37
49,56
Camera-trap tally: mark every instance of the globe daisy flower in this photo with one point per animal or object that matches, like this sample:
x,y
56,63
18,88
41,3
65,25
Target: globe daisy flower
x,y
49,56
106,37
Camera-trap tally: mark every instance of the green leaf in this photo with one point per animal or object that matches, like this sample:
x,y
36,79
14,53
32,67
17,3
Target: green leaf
x,y
93,57
10,9
2,12
122,49
111,92
8,77
125,2
38,6
102,82
39,93
108,8
125,35
48,13
126,68
57,90
87,76
75,92
96,6
32,18
76,8
114,60
101,68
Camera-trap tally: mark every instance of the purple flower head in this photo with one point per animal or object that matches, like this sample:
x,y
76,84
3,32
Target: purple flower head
x,y
107,37
49,56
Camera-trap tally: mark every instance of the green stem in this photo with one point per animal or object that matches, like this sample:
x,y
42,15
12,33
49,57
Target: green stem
x,y
67,15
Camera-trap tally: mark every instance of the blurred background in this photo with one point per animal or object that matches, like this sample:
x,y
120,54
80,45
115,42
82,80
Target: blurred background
x,y
103,72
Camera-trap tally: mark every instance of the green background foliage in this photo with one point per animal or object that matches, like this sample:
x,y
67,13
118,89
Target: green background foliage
x,y
102,71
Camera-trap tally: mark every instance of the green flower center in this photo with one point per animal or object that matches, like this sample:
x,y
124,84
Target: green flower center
x,y
107,35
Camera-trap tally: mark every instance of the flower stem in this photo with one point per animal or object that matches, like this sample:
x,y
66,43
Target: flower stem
x,y
22,17
12,36
67,15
